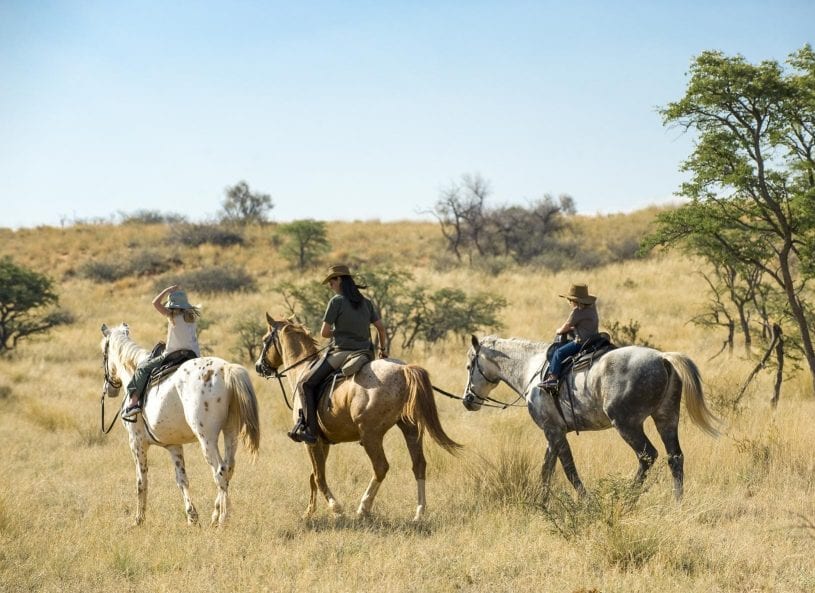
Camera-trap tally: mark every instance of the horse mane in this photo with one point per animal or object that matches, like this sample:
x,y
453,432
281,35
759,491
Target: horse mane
x,y
302,329
125,349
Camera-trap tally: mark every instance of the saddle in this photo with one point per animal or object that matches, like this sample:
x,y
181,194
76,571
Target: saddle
x,y
167,367
591,350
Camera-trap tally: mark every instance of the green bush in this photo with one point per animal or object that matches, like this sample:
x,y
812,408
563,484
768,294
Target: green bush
x,y
193,235
211,280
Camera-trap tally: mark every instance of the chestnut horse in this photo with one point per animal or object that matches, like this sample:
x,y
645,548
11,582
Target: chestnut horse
x,y
360,409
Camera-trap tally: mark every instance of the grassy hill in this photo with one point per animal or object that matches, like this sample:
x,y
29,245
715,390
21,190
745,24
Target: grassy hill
x,y
68,493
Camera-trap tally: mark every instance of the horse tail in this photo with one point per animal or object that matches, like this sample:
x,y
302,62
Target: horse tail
x,y
420,407
244,403
691,380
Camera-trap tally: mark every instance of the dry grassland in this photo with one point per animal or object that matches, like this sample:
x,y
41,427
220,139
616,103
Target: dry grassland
x,y
67,493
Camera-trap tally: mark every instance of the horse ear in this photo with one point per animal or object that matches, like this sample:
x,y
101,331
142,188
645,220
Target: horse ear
x,y
269,319
474,341
105,330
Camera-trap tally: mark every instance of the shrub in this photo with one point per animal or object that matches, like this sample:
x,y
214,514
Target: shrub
x,y
249,331
151,217
193,235
143,263
214,279
102,271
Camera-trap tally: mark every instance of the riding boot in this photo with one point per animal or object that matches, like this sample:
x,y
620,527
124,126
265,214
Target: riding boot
x,y
306,431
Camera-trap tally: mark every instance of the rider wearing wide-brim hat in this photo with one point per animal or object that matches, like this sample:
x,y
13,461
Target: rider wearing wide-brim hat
x,y
347,320
182,334
583,320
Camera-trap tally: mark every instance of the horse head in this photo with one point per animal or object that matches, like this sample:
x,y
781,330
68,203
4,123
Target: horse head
x,y
285,343
483,375
271,355
113,383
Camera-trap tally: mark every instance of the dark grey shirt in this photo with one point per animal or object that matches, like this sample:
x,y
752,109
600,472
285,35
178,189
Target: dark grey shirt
x,y
351,326
586,322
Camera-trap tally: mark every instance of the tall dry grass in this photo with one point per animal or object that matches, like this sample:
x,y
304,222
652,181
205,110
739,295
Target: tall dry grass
x,y
67,494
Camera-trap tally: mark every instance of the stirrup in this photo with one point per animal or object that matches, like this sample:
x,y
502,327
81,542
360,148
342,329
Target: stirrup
x,y
130,413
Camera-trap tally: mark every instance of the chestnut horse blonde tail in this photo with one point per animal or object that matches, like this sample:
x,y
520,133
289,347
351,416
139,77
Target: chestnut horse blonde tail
x,y
691,380
243,403
420,407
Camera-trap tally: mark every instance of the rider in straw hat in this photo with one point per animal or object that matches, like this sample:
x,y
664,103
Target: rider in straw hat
x,y
347,322
583,321
181,335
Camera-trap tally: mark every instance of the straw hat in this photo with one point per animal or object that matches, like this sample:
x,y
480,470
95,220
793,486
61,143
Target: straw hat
x,y
336,271
580,293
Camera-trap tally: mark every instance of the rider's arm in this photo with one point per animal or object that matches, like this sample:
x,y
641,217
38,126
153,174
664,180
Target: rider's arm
x,y
383,339
565,328
158,301
326,330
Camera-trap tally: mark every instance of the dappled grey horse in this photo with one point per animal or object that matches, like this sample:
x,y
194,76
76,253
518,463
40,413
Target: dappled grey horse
x,y
621,389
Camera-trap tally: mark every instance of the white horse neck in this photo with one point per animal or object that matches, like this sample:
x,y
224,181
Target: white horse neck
x,y
126,355
517,359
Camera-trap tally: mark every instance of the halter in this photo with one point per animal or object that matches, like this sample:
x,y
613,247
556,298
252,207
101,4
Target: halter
x,y
485,400
109,382
266,371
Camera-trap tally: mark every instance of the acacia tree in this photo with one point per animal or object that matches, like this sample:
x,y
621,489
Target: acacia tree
x,y
24,297
752,188
306,240
242,206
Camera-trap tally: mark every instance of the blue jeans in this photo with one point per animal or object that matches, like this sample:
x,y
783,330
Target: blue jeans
x,y
560,354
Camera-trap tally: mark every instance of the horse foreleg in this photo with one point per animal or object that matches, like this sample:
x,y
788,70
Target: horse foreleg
x,y
177,454
373,447
563,451
138,447
318,453
547,469
220,473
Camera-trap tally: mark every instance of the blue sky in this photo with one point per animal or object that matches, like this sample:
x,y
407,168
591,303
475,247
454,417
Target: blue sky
x,y
353,110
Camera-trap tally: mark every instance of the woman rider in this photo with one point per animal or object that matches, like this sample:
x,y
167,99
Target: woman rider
x,y
346,322
583,321
181,335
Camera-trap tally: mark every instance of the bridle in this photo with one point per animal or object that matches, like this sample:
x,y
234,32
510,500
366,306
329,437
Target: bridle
x,y
110,383
266,371
470,396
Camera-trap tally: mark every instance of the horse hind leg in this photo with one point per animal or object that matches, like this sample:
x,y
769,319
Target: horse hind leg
x,y
634,435
413,438
220,473
668,428
177,455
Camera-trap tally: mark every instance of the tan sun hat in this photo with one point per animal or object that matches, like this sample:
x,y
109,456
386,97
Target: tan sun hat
x,y
580,293
336,271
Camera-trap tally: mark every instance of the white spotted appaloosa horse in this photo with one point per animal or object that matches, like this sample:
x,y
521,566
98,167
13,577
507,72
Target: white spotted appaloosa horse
x,y
622,389
205,397
361,409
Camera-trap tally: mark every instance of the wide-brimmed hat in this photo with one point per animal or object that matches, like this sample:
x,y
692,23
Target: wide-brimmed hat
x,y
580,293
178,300
336,271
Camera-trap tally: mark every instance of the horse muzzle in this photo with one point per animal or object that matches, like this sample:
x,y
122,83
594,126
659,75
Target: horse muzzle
x,y
471,401
264,369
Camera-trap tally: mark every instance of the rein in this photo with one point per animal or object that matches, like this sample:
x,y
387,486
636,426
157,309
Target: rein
x,y
109,381
486,400
279,375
